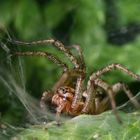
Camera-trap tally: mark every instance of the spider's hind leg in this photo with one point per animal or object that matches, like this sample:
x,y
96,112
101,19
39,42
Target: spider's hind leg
x,y
121,86
110,97
112,91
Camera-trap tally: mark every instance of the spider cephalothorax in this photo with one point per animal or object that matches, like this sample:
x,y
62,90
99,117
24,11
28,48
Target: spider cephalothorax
x,y
74,98
63,99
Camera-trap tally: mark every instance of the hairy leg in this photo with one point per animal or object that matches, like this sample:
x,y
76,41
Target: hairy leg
x,y
59,45
78,91
80,53
121,86
67,52
44,54
109,92
73,59
80,78
101,105
46,96
67,73
66,79
90,106
113,67
115,89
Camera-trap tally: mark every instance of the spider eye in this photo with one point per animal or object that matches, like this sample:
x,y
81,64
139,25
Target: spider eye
x,y
63,90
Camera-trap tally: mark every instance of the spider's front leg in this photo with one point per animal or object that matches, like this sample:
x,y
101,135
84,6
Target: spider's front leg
x,y
90,106
111,67
78,91
59,110
59,45
50,56
80,72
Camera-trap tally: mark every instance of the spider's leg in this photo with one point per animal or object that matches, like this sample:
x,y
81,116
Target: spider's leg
x,y
113,67
78,91
80,53
90,105
121,86
109,92
80,78
46,96
92,99
74,72
67,52
59,45
64,79
102,105
59,110
44,54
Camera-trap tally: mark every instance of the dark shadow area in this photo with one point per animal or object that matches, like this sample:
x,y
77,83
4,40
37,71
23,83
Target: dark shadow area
x,y
121,97
116,34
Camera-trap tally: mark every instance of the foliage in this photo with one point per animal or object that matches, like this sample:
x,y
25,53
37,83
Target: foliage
x,y
88,127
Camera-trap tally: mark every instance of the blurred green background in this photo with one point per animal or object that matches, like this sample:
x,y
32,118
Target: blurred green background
x,y
108,31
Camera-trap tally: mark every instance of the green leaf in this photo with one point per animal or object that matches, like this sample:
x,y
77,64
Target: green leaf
x,y
89,127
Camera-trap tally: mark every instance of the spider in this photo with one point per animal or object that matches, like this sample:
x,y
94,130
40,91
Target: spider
x,y
69,94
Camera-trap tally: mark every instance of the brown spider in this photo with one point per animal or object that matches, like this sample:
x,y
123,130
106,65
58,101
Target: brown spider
x,y
72,98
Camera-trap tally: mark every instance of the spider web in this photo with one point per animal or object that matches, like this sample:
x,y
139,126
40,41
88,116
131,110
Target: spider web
x,y
18,89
